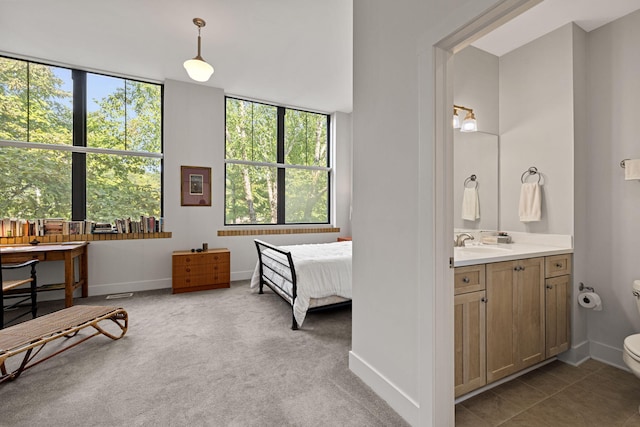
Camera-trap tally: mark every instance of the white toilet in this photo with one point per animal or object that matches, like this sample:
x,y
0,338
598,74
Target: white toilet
x,y
631,355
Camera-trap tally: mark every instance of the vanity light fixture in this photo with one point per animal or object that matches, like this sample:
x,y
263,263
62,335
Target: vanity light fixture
x,y
469,123
197,68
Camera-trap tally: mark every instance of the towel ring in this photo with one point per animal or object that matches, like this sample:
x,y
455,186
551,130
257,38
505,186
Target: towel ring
x,y
531,171
472,178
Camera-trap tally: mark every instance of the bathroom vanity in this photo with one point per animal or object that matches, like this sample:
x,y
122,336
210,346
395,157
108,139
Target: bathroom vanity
x,y
512,309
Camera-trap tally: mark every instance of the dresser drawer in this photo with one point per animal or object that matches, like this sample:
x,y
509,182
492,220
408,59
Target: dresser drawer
x,y
557,265
469,279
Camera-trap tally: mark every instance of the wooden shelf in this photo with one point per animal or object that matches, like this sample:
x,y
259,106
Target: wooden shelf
x,y
56,238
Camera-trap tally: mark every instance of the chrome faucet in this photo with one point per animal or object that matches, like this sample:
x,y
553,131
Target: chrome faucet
x,y
461,238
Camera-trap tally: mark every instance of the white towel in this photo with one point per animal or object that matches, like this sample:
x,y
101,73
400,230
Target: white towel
x,y
470,204
530,202
631,169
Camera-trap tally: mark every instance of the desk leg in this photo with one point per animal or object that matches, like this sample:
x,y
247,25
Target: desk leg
x,y
83,266
69,279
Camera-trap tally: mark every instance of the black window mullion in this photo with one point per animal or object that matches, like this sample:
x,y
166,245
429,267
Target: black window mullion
x,y
79,160
281,171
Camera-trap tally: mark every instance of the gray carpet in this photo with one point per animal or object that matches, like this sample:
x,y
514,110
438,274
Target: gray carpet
x,y
215,358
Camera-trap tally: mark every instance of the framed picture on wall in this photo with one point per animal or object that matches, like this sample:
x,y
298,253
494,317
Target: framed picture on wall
x,y
195,186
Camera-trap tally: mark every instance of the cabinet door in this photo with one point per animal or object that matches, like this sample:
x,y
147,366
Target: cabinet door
x,y
530,309
501,320
515,316
470,350
558,309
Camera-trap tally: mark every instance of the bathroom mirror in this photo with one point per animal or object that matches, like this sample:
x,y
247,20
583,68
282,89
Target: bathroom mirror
x,y
476,153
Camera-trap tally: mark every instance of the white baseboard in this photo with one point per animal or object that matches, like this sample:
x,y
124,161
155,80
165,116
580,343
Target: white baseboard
x,y
577,354
110,288
241,275
403,404
116,288
607,354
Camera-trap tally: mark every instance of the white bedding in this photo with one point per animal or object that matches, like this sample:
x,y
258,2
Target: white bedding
x,y
322,270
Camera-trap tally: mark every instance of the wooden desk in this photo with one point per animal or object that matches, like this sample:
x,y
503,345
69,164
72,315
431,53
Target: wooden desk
x,y
67,252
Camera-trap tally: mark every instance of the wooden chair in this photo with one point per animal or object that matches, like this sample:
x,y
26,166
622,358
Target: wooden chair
x,y
9,291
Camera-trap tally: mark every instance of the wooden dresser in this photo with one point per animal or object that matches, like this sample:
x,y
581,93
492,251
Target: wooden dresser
x,y
199,271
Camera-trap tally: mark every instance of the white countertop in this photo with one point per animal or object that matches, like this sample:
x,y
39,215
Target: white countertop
x,y
483,254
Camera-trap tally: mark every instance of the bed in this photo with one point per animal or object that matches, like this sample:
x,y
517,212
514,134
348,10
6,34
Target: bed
x,y
309,277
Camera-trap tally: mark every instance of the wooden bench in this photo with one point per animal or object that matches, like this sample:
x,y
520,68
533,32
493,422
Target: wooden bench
x,y
31,336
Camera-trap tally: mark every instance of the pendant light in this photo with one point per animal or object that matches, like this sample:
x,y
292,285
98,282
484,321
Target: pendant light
x,y
197,68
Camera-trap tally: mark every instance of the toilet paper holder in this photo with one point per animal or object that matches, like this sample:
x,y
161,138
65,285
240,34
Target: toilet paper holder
x,y
582,287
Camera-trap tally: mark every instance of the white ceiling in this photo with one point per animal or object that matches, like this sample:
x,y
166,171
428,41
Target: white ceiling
x,y
293,52
550,15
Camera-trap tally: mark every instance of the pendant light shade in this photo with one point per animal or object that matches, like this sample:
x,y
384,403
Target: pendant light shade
x,y
197,68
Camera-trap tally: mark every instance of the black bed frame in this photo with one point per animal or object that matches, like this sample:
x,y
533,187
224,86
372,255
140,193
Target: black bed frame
x,y
289,297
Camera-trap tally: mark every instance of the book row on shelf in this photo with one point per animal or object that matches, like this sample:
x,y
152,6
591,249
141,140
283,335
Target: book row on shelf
x,y
14,227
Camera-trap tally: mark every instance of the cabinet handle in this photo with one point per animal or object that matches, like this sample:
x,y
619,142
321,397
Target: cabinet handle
x,y
484,299
188,270
465,279
516,268
549,287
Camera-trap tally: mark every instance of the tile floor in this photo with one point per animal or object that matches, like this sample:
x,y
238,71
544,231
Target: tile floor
x,y
558,394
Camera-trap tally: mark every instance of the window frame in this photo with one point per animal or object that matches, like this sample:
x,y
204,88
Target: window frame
x,y
79,147
281,166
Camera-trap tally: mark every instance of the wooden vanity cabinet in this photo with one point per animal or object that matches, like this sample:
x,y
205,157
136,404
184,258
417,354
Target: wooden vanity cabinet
x,y
515,316
470,327
508,316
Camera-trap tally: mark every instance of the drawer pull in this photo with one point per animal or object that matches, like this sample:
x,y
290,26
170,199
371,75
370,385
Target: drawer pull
x,y
188,259
465,279
558,265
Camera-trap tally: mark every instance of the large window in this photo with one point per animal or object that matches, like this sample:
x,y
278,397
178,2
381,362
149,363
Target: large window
x,y
78,145
277,165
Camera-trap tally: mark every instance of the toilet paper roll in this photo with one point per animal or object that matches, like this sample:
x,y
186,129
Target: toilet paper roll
x,y
590,300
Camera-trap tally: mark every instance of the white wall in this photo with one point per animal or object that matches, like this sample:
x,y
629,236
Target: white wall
x,y
194,124
612,204
396,183
579,342
475,85
536,129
